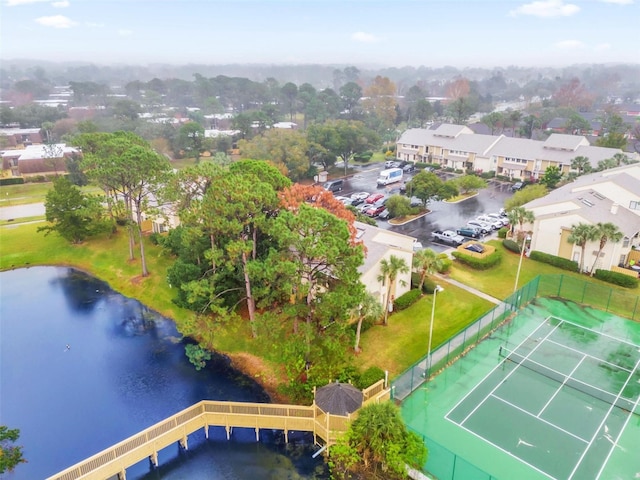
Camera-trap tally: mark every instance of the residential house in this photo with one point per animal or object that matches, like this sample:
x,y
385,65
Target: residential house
x,y
609,196
20,137
36,159
382,244
458,147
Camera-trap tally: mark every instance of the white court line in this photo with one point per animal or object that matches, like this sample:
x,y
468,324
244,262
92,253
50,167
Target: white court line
x,y
606,392
540,419
561,385
603,422
613,447
503,450
491,372
601,360
595,331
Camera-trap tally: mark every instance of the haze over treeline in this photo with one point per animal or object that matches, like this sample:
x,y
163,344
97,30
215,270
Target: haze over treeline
x,y
619,80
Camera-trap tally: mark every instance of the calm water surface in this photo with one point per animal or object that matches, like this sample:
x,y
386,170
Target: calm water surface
x,y
124,371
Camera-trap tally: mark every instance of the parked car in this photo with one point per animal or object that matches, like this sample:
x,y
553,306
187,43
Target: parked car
x,y
516,186
470,232
373,198
408,168
359,197
375,209
344,200
484,227
389,164
384,215
495,224
475,247
499,218
333,185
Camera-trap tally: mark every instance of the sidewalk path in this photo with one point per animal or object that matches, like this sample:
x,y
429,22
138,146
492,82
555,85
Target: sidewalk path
x,y
469,289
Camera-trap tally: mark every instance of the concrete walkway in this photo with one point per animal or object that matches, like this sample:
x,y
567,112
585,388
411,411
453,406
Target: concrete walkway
x,y
469,289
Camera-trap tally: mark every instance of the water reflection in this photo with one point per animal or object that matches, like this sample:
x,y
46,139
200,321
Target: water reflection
x,y
125,370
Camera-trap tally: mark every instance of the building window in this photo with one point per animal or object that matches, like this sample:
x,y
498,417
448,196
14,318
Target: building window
x,y
625,242
634,205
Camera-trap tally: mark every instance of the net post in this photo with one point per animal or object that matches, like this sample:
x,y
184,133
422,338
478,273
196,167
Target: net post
x,y
560,284
609,299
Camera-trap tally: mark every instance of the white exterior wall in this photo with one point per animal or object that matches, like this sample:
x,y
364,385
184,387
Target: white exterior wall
x,y
374,286
547,233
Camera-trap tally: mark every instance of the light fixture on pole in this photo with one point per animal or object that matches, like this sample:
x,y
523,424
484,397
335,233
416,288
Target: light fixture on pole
x,y
522,249
437,289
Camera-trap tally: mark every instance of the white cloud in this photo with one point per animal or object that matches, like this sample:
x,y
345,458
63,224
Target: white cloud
x,y
546,9
123,32
619,2
56,21
13,3
364,37
602,47
570,44
61,4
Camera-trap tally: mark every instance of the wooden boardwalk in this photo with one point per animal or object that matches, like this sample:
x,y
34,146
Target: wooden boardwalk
x,y
207,413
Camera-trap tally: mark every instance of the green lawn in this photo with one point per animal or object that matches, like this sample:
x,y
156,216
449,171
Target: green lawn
x,y
499,280
404,341
11,195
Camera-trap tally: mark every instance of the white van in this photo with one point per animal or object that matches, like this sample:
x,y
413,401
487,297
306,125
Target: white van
x,y
391,175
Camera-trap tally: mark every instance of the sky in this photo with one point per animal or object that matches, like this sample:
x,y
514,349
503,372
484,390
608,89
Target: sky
x,y
432,33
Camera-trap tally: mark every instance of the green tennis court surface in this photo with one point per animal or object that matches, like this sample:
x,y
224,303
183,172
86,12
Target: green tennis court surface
x,y
553,394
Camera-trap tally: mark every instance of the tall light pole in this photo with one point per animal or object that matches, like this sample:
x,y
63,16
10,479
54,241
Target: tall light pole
x,y
433,313
524,247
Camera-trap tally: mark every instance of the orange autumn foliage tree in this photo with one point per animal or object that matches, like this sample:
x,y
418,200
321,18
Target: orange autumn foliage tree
x,y
292,197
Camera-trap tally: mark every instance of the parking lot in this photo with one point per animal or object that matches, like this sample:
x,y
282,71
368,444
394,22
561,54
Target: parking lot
x,y
443,215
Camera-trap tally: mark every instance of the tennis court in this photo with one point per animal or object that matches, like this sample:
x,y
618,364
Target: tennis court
x,y
553,394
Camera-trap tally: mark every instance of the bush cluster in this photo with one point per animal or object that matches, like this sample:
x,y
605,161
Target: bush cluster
x,y
563,263
511,245
363,157
11,181
427,287
489,174
407,299
484,263
616,278
370,376
502,233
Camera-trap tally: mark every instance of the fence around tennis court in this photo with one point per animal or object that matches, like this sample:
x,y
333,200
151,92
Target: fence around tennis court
x,y
563,286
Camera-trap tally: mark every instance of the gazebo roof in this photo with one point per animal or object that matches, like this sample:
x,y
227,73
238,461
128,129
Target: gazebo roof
x,y
339,398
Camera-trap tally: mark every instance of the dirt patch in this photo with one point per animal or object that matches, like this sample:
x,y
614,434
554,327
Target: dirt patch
x,y
262,372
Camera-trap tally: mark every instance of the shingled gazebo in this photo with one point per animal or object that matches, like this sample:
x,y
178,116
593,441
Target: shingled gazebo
x,y
339,398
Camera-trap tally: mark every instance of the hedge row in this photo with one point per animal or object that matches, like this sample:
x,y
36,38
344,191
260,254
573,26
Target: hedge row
x,y
407,299
483,263
563,263
616,278
11,181
511,245
427,287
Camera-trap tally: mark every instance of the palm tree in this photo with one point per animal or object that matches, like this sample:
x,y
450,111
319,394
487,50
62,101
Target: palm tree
x,y
369,309
604,233
426,262
520,216
581,164
580,235
389,270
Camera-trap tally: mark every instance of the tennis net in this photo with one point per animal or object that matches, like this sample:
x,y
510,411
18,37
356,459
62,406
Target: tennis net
x,y
623,403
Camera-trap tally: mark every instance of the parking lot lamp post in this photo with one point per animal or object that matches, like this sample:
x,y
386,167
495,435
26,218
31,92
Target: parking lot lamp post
x,y
437,289
522,249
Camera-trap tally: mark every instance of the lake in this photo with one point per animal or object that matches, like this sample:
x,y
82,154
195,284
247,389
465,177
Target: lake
x,y
82,368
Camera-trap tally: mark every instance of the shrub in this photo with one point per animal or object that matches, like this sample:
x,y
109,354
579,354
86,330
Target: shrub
x,y
616,278
363,157
502,233
489,174
155,238
559,262
370,376
407,299
483,263
11,181
446,263
511,245
427,287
